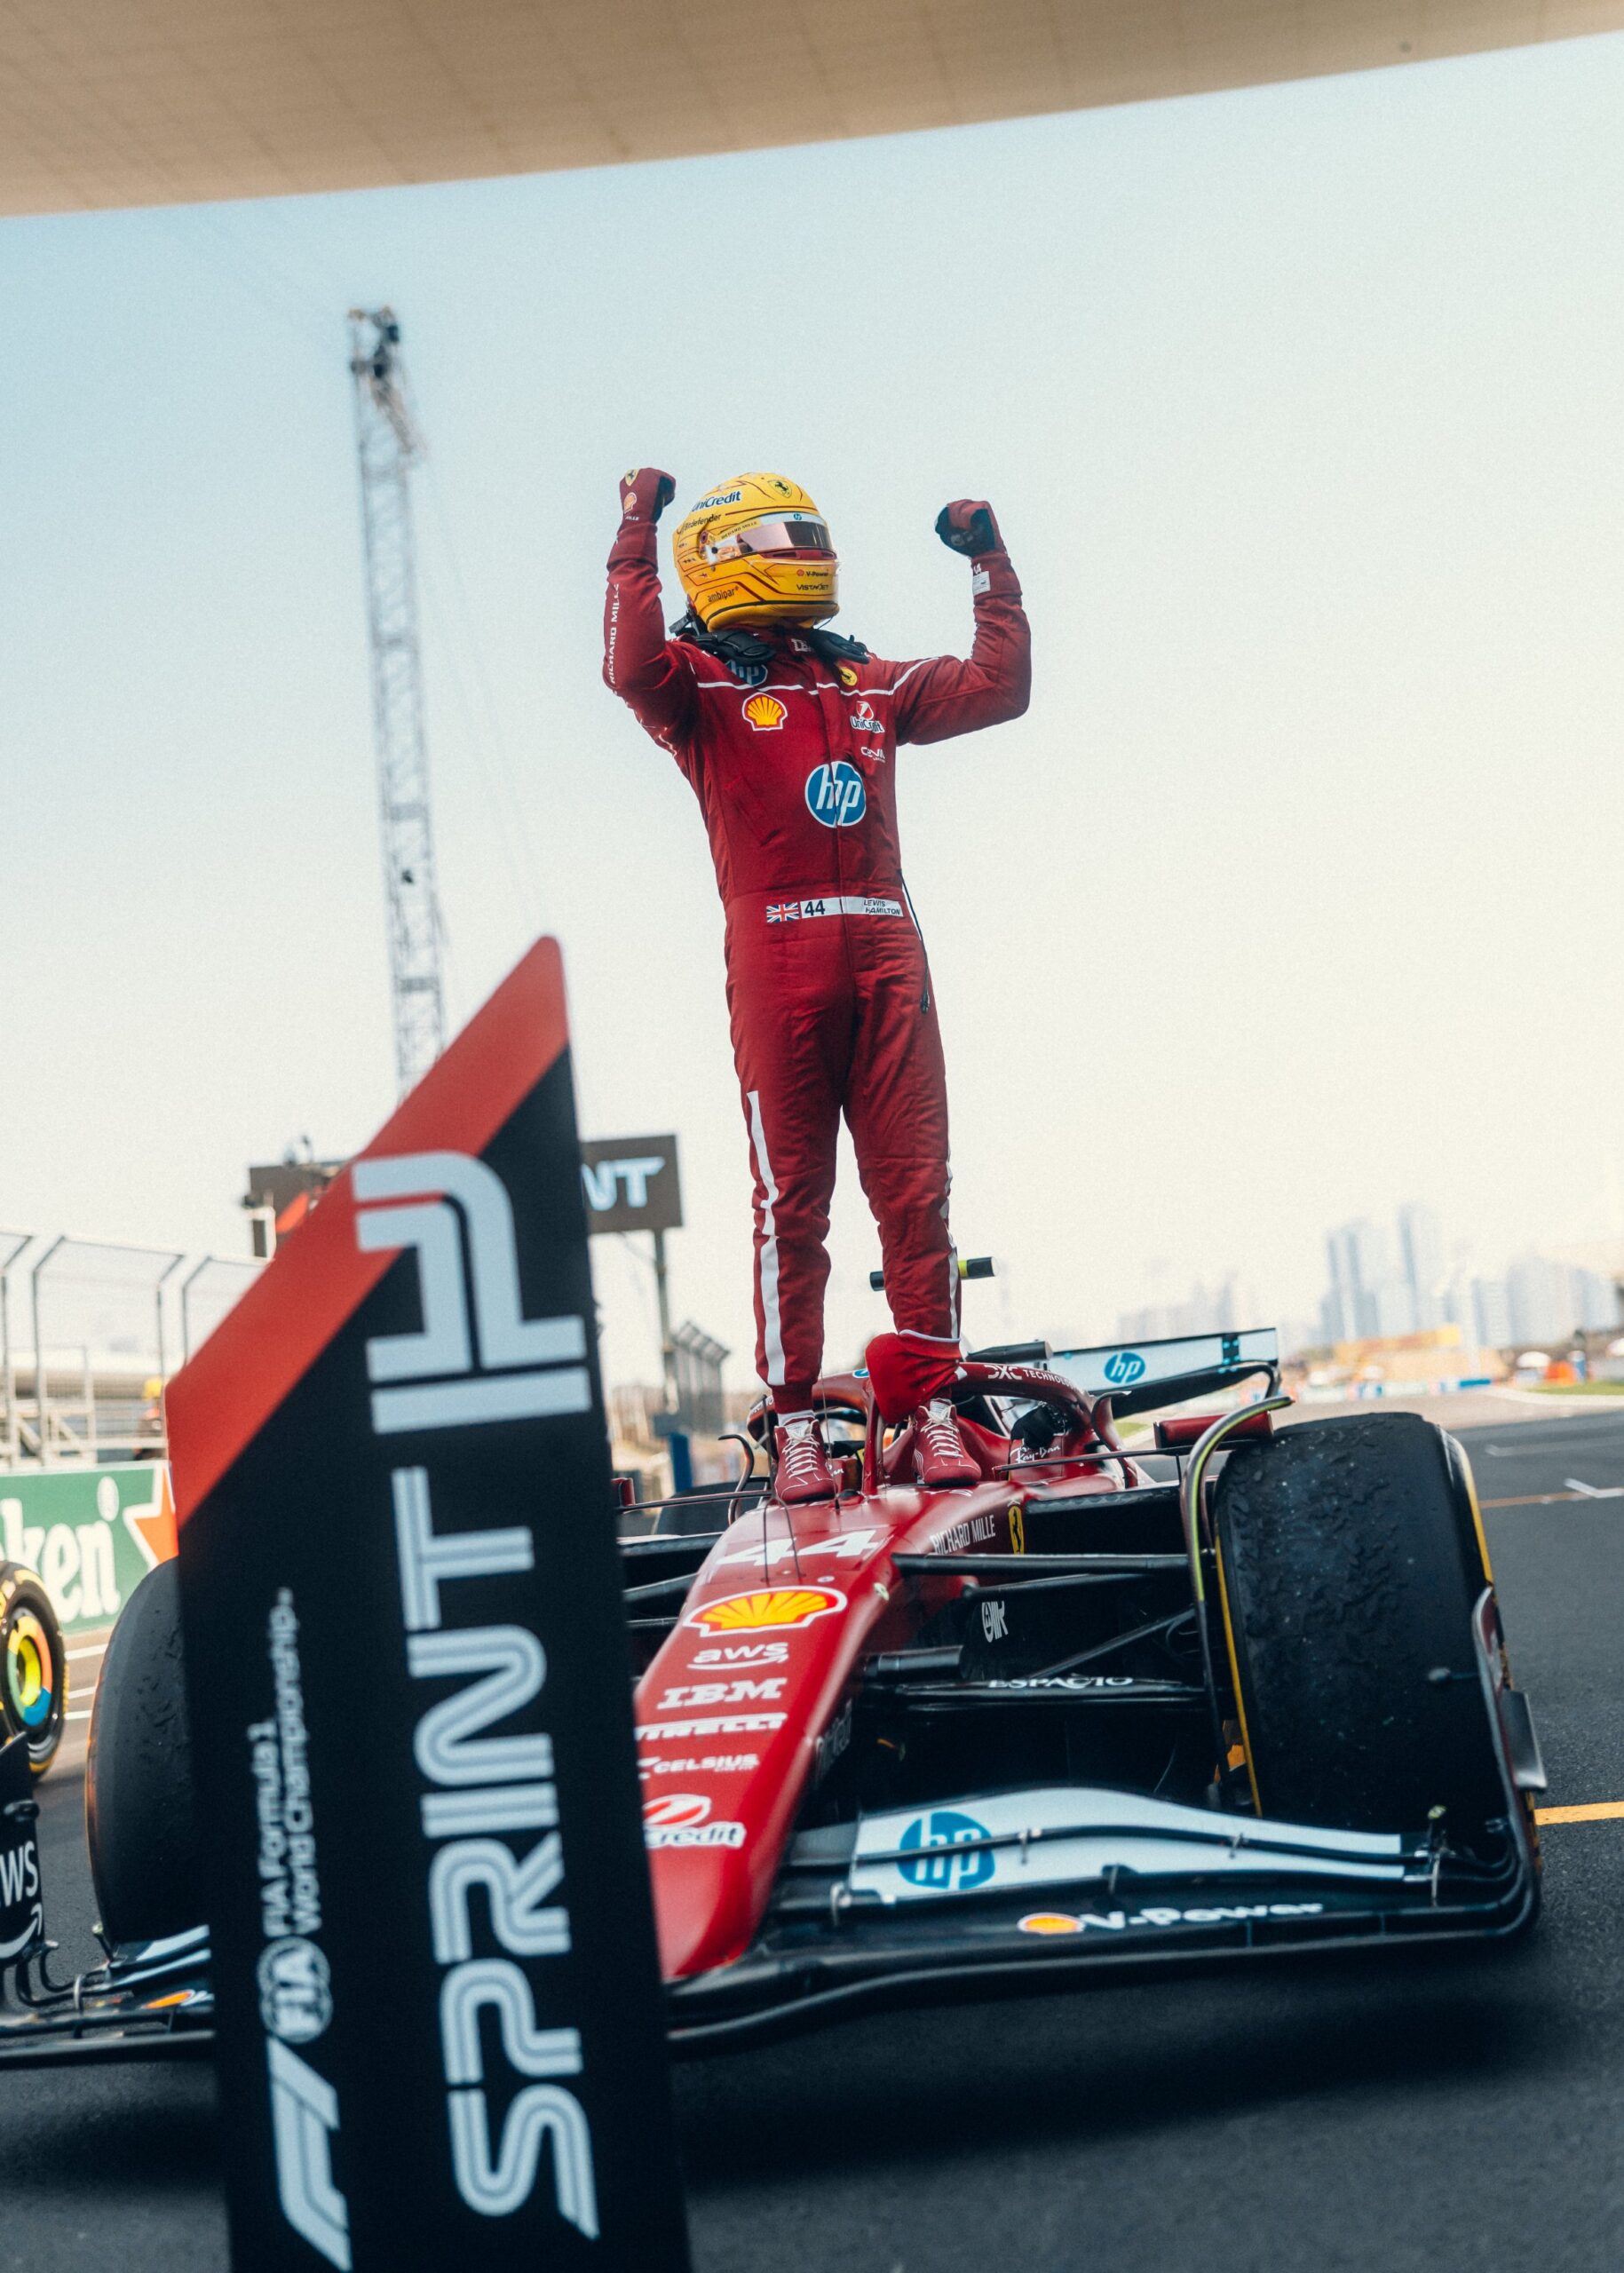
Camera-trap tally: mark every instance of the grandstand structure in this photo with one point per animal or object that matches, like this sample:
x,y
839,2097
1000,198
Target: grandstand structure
x,y
152,102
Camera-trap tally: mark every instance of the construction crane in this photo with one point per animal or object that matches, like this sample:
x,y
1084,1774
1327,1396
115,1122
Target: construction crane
x,y
390,446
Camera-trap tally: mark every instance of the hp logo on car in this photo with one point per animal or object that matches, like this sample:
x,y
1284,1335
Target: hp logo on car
x,y
953,1856
1122,1367
835,794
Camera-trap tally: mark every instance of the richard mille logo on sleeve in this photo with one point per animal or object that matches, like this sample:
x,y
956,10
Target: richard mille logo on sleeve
x,y
462,1366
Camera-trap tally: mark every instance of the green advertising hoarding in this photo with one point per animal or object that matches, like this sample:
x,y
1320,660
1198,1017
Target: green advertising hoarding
x,y
92,1533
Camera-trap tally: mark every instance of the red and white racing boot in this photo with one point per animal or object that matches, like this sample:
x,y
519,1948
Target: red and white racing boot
x,y
803,1471
940,1454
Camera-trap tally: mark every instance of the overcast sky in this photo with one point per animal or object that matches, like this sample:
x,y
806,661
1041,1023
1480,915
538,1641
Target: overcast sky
x,y
1295,894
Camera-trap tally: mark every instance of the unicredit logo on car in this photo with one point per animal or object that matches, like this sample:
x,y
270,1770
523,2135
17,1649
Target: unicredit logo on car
x,y
835,794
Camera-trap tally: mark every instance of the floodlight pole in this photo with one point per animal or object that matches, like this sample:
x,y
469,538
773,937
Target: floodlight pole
x,y
389,445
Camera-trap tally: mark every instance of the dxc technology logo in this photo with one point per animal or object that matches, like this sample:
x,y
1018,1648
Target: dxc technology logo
x,y
522,1366
953,1856
1122,1367
835,794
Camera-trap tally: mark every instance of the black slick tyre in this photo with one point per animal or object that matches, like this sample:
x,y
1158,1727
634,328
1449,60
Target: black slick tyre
x,y
1350,1567
139,1810
33,1665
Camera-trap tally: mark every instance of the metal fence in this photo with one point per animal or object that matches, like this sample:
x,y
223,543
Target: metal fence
x,y
89,1332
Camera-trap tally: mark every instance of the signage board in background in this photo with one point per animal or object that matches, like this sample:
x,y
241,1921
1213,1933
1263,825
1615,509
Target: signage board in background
x,y
442,2034
22,1914
631,1184
92,1534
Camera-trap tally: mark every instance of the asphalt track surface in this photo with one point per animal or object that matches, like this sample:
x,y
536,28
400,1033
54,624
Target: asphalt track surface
x,y
1438,2112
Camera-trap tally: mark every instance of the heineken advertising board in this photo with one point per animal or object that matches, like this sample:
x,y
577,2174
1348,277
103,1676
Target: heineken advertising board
x,y
92,1533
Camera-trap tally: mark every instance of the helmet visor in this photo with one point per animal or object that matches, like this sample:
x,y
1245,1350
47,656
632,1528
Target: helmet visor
x,y
779,535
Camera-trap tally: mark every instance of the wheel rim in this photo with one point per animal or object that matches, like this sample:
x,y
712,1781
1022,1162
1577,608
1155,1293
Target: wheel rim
x,y
30,1672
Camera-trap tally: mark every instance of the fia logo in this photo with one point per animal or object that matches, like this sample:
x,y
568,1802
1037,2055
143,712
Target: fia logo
x,y
521,1367
952,1856
835,794
1122,1367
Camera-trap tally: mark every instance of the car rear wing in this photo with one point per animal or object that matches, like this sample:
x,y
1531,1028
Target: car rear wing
x,y
1140,1376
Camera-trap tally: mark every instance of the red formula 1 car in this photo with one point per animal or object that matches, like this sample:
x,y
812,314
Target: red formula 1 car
x,y
1226,1692
1237,1692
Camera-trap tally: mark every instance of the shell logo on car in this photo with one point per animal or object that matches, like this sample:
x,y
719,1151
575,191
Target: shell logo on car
x,y
765,712
767,1609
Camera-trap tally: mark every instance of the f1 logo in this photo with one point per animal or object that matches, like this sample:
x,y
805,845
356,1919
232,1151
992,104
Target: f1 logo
x,y
521,1367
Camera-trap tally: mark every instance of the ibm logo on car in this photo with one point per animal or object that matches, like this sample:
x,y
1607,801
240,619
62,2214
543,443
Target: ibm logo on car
x,y
474,1360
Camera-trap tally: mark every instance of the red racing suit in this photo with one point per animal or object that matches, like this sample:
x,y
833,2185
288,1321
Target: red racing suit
x,y
827,985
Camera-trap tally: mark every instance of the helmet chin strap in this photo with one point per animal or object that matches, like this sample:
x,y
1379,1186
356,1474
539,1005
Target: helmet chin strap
x,y
747,648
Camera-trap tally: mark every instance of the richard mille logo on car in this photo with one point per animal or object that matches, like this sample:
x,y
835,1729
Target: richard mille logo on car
x,y
492,1366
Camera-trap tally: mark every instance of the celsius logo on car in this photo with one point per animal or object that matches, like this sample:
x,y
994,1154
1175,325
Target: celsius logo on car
x,y
835,794
1122,1367
296,1990
949,1852
765,713
767,1609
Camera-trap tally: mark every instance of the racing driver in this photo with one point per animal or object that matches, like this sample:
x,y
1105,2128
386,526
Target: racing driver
x,y
788,735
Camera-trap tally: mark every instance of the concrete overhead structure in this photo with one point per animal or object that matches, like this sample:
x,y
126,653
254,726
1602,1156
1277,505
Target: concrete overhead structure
x,y
152,102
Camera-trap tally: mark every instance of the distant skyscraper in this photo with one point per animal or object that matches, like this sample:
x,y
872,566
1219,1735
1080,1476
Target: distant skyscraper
x,y
1421,1248
1492,1313
1541,1299
1366,1296
1596,1303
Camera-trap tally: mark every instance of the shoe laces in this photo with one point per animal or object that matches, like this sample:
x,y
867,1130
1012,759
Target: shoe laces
x,y
802,1454
938,1433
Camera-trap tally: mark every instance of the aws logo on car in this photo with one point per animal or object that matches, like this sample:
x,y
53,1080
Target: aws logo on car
x,y
835,794
1122,1367
949,1852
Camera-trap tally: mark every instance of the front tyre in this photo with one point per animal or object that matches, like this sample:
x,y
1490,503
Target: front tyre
x,y
33,1665
139,1814
1351,1566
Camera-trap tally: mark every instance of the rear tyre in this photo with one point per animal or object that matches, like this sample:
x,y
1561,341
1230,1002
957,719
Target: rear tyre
x,y
139,1816
33,1667
1350,1566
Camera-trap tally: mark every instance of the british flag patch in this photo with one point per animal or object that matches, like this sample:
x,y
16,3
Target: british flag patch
x,y
788,911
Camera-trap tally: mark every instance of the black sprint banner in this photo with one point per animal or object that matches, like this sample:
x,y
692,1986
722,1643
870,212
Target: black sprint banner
x,y
441,2026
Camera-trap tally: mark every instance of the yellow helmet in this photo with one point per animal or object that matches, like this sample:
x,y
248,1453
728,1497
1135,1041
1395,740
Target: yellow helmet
x,y
755,552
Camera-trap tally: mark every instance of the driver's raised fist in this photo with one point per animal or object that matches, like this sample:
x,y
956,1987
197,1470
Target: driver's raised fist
x,y
968,526
645,492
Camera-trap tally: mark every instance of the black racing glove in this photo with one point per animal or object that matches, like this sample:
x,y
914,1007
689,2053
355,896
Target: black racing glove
x,y
645,492
967,526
